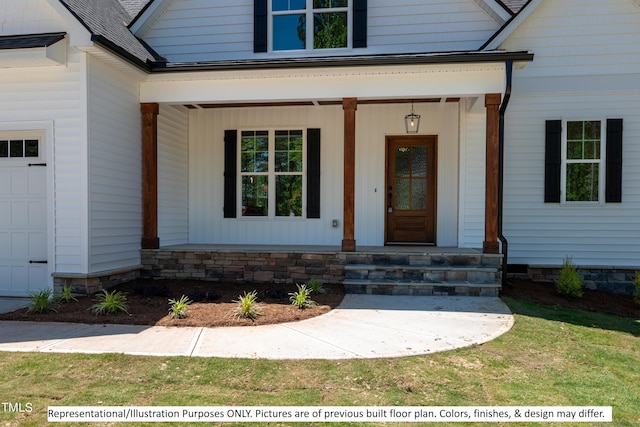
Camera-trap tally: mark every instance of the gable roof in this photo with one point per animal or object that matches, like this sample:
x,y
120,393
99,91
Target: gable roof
x,y
510,26
514,5
133,7
110,21
107,22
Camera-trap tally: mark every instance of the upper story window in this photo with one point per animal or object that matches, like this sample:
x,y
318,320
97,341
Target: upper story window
x,y
309,24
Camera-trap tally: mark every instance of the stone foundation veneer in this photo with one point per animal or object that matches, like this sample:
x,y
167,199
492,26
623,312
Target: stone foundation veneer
x,y
244,267
95,282
616,280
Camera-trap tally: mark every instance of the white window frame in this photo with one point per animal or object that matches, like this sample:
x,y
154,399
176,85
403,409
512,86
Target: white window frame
x,y
271,173
22,136
309,12
601,162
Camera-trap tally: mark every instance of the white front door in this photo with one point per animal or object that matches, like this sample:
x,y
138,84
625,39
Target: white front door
x,y
23,216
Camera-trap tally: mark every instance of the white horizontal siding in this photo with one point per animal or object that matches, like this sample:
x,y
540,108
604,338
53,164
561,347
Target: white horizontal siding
x,y
115,159
544,233
580,37
173,175
54,94
472,183
200,30
373,124
28,17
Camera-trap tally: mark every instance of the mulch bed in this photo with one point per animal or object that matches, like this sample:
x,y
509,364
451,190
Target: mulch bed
x,y
544,293
213,302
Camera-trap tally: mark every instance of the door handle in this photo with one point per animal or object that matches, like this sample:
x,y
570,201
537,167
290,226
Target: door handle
x,y
389,200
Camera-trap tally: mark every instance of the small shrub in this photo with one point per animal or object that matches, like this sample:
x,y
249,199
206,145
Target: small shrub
x,y
178,309
302,298
248,306
110,303
42,301
569,283
316,287
67,294
636,294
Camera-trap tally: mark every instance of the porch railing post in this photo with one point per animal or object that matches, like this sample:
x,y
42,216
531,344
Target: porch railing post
x,y
150,239
492,105
349,105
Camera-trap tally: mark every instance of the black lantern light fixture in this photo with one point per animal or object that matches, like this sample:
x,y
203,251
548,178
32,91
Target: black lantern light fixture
x,y
412,121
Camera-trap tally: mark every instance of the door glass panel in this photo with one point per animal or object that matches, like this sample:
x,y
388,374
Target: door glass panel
x,y
403,194
419,162
418,193
403,162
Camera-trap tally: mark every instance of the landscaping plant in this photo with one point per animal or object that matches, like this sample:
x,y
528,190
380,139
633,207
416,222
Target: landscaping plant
x,y
569,283
67,294
302,298
248,306
110,303
316,287
178,308
42,302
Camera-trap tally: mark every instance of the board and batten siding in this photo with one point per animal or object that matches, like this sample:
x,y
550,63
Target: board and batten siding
x,y
115,172
373,124
586,67
200,30
173,175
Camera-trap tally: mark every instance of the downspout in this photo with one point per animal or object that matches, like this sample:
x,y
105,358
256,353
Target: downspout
x,y
503,109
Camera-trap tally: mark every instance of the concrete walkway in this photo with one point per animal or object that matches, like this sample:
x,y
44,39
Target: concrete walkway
x,y
363,326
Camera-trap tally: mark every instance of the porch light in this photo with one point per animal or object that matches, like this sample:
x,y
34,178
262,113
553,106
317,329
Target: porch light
x,y
412,121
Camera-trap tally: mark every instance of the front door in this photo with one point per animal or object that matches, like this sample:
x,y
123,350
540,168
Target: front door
x,y
411,190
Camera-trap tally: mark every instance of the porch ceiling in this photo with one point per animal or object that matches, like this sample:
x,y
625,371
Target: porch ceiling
x,y
382,84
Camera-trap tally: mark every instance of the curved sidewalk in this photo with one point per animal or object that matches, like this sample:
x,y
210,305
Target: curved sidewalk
x,y
363,326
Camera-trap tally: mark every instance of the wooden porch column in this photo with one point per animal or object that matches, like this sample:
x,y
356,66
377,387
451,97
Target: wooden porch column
x,y
150,238
492,104
349,105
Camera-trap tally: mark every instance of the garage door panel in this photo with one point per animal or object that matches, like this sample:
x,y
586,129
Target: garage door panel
x,y
36,181
18,181
23,222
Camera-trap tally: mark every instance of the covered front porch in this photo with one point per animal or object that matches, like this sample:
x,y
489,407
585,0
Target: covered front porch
x,y
199,189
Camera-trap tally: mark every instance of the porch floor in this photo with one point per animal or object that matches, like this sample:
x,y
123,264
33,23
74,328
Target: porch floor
x,y
390,249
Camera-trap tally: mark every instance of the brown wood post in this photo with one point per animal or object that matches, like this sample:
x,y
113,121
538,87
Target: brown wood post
x,y
349,105
492,105
150,238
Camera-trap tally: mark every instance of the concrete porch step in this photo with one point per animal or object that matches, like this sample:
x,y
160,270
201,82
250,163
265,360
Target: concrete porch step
x,y
421,288
477,274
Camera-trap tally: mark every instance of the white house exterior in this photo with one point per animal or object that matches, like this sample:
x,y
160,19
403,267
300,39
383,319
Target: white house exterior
x,y
176,122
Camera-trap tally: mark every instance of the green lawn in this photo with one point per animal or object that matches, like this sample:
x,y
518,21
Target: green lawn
x,y
551,357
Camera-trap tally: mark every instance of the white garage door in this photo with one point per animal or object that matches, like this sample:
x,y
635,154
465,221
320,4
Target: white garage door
x,y
23,216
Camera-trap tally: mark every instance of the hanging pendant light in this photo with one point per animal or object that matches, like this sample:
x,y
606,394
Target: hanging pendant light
x,y
412,121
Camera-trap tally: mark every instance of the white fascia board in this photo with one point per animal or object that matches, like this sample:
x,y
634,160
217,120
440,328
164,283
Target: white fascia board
x,y
79,35
152,12
46,56
494,10
385,82
513,25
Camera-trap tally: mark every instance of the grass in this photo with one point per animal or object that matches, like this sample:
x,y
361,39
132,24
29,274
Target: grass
x,y
552,356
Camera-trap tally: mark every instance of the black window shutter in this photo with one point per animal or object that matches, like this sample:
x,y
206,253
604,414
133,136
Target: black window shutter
x,y
230,172
260,25
552,161
359,23
613,193
313,173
